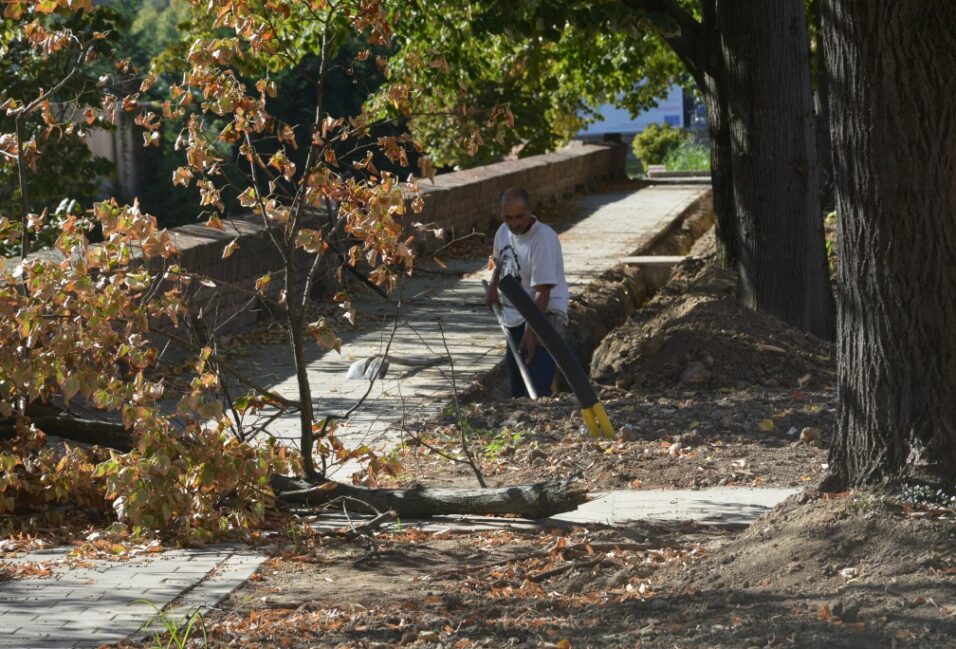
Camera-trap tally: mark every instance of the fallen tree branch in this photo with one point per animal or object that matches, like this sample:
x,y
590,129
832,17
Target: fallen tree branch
x,y
77,429
539,500
548,574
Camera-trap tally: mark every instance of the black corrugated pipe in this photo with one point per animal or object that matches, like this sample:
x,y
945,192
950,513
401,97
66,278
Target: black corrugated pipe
x,y
595,416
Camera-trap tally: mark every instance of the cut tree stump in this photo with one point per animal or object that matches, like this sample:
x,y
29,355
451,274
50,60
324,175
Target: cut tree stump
x,y
539,500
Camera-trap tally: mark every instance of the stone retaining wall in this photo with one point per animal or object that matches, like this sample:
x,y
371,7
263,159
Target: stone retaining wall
x,y
458,202
464,201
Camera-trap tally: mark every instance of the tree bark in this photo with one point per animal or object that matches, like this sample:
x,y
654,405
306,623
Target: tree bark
x,y
821,104
781,253
77,429
538,500
697,45
891,66
750,60
711,84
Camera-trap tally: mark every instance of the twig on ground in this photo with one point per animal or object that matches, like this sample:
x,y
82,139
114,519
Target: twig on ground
x,y
370,526
461,422
547,574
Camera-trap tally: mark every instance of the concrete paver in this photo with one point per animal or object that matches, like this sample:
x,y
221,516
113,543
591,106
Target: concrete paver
x,y
719,506
87,604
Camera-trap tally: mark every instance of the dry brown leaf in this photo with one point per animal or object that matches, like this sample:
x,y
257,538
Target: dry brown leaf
x,y
825,613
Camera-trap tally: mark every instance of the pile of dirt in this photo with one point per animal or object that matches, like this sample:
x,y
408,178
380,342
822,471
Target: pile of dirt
x,y
694,334
852,570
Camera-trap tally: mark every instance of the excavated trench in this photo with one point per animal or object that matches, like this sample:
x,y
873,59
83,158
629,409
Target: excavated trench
x,y
620,291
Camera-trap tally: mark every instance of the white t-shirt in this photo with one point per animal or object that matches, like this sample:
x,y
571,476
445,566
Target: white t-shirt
x,y
535,258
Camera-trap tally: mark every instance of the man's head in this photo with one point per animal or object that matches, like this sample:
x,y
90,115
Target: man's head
x,y
516,210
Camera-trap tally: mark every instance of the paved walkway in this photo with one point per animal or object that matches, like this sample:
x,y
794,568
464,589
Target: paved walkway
x,y
86,604
719,506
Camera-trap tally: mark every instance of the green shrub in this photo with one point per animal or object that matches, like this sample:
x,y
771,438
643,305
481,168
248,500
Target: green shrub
x,y
654,143
689,156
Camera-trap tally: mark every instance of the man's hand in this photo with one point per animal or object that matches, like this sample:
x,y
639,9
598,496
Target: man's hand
x,y
528,344
491,297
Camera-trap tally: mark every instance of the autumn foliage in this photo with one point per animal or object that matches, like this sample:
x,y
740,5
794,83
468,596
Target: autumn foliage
x,y
82,322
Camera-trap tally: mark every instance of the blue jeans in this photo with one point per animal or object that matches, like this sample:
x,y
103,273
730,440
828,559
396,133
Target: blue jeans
x,y
541,368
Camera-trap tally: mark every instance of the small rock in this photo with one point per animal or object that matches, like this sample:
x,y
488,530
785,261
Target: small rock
x,y
696,373
8,546
629,433
810,436
674,449
536,454
851,613
430,619
690,438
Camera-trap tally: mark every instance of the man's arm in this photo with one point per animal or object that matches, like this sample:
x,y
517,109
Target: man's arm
x,y
542,296
492,297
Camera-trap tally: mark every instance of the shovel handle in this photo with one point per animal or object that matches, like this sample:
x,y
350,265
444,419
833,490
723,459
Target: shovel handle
x,y
522,368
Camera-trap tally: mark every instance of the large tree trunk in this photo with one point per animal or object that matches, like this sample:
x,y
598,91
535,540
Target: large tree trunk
x,y
780,251
710,81
821,105
892,74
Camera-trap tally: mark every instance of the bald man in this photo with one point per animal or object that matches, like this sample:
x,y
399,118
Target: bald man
x,y
530,251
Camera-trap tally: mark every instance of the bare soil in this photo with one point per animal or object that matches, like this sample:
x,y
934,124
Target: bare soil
x,y
852,570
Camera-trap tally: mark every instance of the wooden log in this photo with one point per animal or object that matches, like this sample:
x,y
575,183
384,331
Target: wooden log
x,y
77,429
539,500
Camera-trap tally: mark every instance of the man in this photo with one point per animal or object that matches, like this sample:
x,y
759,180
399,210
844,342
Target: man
x,y
530,251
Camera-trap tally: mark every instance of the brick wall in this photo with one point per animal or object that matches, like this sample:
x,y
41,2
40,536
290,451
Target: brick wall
x,y
464,201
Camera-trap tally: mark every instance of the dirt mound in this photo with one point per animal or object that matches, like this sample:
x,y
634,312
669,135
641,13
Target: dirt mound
x,y
858,570
695,335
